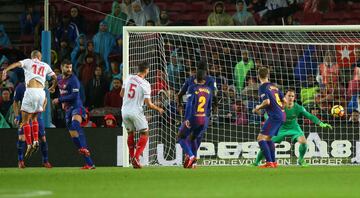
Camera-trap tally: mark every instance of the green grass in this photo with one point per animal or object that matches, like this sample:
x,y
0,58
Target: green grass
x,y
314,181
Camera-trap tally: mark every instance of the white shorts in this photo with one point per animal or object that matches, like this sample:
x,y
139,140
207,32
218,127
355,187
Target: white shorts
x,y
134,121
33,100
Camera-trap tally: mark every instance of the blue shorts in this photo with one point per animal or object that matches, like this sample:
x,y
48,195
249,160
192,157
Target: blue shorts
x,y
41,126
74,111
198,126
271,127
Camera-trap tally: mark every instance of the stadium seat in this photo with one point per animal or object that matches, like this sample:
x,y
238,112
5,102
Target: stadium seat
x,y
196,7
176,7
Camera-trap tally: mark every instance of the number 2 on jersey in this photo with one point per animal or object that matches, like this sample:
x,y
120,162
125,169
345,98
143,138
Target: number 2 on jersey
x,y
131,93
202,101
38,71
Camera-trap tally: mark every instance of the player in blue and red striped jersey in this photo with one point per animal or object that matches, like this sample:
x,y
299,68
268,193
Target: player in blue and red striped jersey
x,y
69,86
197,113
209,81
18,97
272,100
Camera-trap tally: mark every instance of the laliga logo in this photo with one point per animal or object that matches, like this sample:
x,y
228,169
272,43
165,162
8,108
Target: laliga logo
x,y
248,150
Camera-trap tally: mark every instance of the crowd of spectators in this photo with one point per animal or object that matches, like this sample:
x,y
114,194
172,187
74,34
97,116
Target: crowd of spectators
x,y
97,60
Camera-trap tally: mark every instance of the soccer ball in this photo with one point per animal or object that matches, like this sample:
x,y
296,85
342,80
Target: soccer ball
x,y
337,111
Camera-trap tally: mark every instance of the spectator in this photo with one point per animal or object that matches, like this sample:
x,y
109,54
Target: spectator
x,y
163,19
306,65
151,10
77,19
241,70
150,23
216,72
87,122
113,98
241,113
160,83
257,7
355,118
276,10
226,99
12,75
110,121
219,17
54,59
116,71
116,20
353,77
5,84
126,7
65,50
4,39
28,20
87,70
90,51
309,90
322,6
67,30
354,103
5,101
139,16
117,50
104,41
96,89
242,16
54,15
175,70
328,70
79,49
332,94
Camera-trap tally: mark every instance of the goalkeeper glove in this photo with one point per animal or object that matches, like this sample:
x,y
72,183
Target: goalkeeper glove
x,y
325,125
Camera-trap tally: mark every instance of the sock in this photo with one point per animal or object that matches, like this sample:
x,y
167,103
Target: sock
x,y
266,150
302,151
259,157
44,151
35,130
131,145
88,161
27,133
76,141
185,146
272,150
20,147
141,145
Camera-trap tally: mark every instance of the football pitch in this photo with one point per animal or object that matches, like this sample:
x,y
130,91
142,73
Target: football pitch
x,y
314,181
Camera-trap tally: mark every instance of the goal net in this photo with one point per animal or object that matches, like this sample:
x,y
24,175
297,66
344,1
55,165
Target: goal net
x,y
321,63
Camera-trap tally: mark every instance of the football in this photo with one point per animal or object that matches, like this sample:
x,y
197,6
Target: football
x,y
337,111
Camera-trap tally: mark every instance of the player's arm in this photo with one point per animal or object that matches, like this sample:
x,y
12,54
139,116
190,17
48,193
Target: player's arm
x,y
314,119
151,105
147,99
16,109
122,92
53,83
180,95
10,67
215,99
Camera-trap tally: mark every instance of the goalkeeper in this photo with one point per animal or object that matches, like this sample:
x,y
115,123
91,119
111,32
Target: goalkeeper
x,y
292,129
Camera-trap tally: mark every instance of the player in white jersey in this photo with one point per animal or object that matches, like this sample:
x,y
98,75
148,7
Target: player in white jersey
x,y
34,100
135,91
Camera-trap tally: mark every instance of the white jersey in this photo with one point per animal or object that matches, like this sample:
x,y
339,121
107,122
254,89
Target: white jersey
x,y
136,90
35,69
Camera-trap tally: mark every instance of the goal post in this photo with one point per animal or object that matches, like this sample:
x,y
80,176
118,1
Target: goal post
x,y
317,61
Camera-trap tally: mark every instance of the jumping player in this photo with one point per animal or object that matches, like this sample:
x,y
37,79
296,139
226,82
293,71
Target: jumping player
x,y
197,113
135,91
272,101
18,97
34,97
292,129
69,86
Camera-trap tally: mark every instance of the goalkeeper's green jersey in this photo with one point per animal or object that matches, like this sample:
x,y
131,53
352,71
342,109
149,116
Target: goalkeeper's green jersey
x,y
295,112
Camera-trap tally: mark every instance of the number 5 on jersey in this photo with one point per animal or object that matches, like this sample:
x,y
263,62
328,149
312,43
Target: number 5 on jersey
x,y
131,93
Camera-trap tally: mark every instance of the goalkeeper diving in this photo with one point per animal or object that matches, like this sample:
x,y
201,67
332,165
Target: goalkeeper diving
x,y
291,127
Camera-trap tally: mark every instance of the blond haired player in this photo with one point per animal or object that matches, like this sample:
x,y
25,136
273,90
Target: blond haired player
x,y
34,97
135,91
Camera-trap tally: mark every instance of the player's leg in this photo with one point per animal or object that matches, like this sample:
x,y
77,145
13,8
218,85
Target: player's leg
x,y
27,132
35,131
78,136
263,138
141,125
302,150
276,139
130,128
20,145
182,137
43,143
